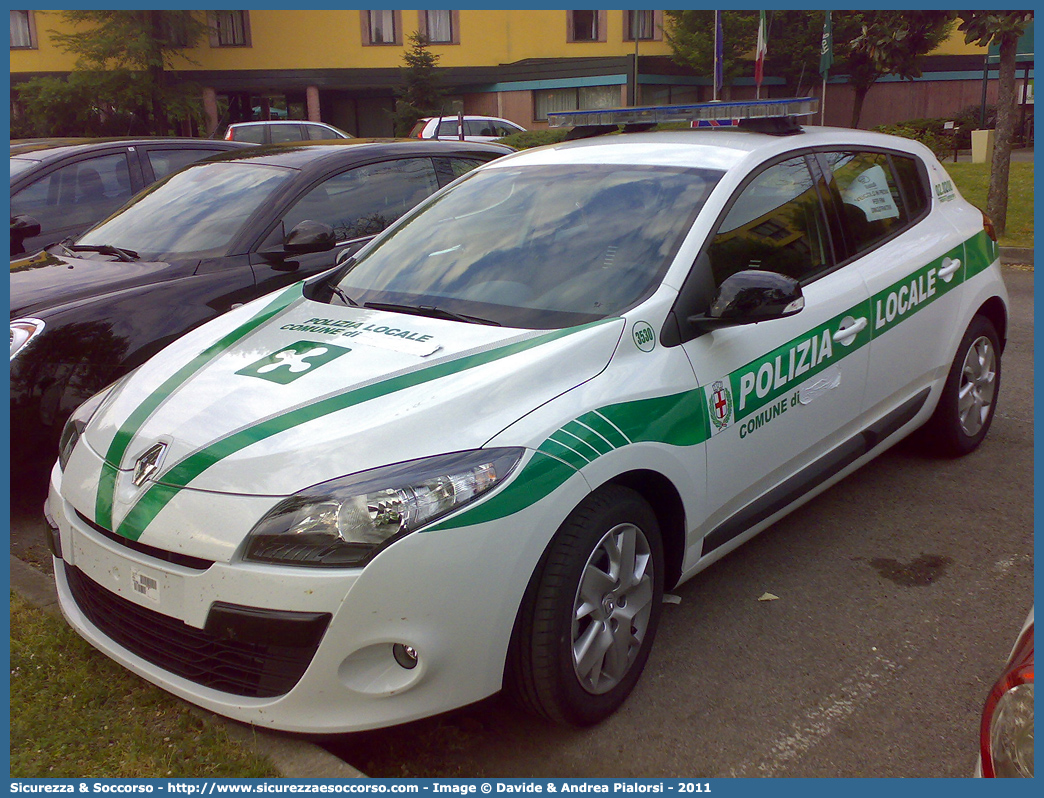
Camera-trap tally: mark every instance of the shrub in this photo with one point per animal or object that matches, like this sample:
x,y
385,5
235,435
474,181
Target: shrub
x,y
940,144
533,138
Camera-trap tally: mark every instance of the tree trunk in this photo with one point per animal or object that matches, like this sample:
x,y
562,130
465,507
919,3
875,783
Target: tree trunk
x,y
997,199
158,79
857,106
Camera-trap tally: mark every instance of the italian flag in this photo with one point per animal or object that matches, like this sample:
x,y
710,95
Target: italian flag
x,y
759,54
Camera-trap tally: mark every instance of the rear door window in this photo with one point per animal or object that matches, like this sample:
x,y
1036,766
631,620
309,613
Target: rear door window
x,y
287,133
879,194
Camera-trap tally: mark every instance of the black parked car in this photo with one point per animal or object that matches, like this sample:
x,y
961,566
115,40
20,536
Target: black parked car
x,y
60,187
217,233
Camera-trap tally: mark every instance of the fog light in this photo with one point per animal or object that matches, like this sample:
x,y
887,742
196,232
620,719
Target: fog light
x,y
406,656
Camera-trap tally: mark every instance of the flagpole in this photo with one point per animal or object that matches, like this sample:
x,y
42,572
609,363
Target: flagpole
x,y
717,50
759,58
826,59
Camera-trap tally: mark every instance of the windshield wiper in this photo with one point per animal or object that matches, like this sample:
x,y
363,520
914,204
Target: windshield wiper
x,y
430,311
343,296
126,255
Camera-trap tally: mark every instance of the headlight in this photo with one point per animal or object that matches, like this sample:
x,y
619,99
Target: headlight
x,y
22,332
346,521
78,421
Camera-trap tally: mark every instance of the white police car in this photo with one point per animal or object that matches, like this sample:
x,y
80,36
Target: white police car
x,y
477,454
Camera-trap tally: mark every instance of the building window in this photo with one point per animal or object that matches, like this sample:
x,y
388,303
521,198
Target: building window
x,y
440,26
574,99
586,26
229,28
23,30
643,26
382,27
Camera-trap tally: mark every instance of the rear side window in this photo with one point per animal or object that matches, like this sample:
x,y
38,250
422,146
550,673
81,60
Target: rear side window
x,y
873,205
775,224
252,134
418,128
448,127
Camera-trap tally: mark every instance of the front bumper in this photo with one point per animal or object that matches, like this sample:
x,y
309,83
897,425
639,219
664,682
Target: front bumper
x,y
310,649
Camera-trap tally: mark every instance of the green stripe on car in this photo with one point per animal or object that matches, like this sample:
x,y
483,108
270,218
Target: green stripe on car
x,y
180,474
125,434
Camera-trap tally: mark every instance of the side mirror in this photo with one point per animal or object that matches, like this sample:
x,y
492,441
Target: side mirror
x,y
22,227
309,236
751,296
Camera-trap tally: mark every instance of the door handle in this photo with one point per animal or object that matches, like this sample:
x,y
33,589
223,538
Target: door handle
x,y
949,268
848,332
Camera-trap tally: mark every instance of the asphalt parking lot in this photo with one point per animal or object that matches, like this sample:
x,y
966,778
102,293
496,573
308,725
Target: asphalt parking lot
x,y
900,592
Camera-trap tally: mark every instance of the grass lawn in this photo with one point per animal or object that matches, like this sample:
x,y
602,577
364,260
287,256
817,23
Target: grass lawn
x,y
973,181
75,713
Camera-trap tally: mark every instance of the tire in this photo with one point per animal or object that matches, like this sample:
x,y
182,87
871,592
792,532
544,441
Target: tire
x,y
579,600
969,397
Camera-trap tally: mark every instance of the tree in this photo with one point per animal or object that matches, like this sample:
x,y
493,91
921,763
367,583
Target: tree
x,y
419,95
1002,28
121,83
690,35
794,41
871,44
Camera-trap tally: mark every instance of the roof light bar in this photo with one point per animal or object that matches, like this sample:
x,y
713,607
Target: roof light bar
x,y
698,112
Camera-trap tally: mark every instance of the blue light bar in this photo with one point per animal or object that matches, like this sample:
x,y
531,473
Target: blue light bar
x,y
699,112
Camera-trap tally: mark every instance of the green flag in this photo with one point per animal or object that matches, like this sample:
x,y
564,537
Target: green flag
x,y
826,57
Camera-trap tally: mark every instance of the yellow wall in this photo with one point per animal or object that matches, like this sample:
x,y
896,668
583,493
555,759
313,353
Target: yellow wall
x,y
333,40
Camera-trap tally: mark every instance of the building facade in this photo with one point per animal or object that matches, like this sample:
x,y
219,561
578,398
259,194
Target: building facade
x,y
343,66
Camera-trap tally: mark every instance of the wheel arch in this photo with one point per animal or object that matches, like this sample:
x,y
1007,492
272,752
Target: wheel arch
x,y
995,310
666,503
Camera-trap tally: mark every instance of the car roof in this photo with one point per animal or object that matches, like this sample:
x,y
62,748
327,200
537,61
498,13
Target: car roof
x,y
280,122
715,148
48,148
449,117
316,155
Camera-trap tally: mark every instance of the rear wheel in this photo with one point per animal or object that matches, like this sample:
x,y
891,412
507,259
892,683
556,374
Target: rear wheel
x,y
590,613
969,398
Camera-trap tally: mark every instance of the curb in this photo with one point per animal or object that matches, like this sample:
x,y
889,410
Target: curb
x,y
294,758
1016,255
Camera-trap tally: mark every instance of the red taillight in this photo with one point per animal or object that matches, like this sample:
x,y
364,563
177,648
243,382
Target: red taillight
x,y
1006,733
987,225
228,135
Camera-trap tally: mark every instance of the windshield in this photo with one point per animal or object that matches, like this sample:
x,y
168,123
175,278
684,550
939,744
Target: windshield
x,y
541,247
195,213
19,165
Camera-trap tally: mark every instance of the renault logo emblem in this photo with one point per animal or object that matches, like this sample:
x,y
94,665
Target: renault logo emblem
x,y
148,464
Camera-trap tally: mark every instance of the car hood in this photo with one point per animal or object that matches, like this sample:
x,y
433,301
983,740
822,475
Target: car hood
x,y
285,393
45,280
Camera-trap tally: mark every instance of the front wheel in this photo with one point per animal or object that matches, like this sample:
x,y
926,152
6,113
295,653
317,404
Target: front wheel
x,y
590,612
969,398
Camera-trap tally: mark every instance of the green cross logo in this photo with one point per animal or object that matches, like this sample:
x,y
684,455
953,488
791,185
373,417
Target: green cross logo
x,y
293,361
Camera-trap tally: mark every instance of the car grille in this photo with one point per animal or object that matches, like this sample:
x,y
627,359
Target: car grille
x,y
254,667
